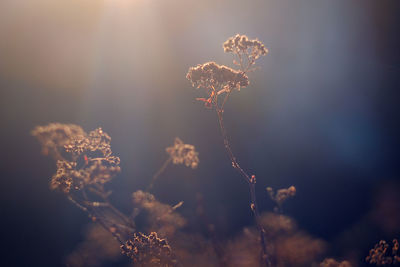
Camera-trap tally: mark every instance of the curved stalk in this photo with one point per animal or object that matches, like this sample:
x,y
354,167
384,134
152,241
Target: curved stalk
x,y
251,181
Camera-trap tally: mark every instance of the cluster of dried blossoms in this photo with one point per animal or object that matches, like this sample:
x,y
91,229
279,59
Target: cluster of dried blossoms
x,y
218,79
82,158
381,254
179,153
280,196
148,250
182,153
85,163
91,162
54,136
241,43
246,50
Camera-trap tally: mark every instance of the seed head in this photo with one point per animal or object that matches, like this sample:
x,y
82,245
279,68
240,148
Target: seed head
x,y
211,75
182,153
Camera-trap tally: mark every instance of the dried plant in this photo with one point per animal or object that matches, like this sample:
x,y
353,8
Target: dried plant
x,y
221,80
54,136
247,51
182,153
280,196
85,164
148,250
216,80
382,254
179,153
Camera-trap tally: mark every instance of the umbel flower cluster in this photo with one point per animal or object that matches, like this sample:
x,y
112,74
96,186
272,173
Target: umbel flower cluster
x,y
92,162
83,159
281,195
85,163
148,250
54,136
241,44
219,79
382,254
182,153
210,74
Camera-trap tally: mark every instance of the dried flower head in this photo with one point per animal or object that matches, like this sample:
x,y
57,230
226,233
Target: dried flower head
x,y
63,180
182,153
219,79
245,49
381,254
54,136
148,250
92,162
211,75
281,195
96,141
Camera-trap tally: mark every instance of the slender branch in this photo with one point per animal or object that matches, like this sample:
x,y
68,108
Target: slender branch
x,y
94,213
225,99
251,181
159,172
104,195
77,204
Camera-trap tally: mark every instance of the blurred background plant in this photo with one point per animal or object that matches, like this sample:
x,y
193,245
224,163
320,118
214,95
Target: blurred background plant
x,y
384,255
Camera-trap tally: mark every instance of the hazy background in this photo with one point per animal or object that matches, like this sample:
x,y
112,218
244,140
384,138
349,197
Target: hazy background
x,y
321,114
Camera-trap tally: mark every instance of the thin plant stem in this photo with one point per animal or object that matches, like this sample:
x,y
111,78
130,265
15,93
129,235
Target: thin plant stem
x,y
92,209
94,213
251,181
159,172
104,195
